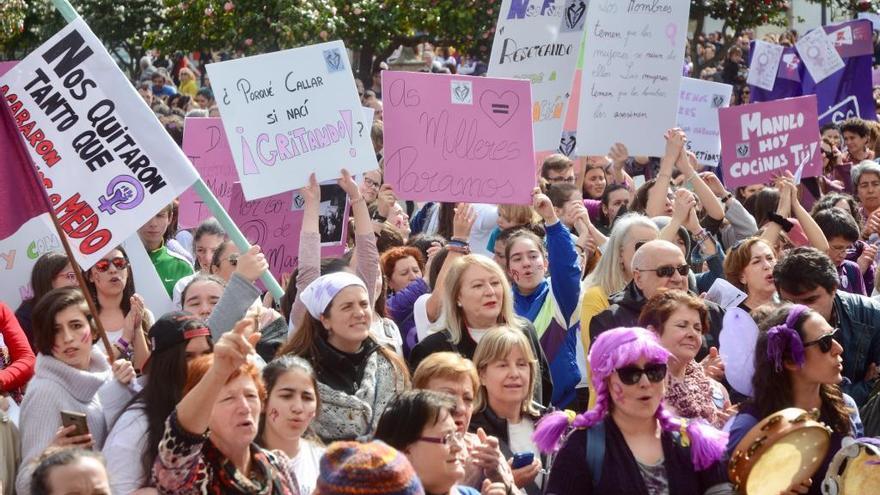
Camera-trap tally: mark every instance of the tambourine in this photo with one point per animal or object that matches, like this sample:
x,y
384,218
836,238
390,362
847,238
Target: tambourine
x,y
854,469
783,450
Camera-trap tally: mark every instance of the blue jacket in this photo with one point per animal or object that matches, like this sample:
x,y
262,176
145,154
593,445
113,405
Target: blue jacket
x,y
552,307
858,319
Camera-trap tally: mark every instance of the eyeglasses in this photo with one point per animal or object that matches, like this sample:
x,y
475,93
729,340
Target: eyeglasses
x,y
449,438
669,270
824,342
371,183
233,259
119,262
69,276
631,375
556,180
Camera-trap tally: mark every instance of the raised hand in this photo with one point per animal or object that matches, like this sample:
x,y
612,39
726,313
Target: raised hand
x,y
682,205
541,203
463,221
385,200
312,192
618,154
714,184
675,139
233,348
252,264
347,183
123,371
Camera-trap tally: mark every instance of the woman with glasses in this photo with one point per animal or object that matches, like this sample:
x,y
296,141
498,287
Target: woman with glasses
x,y
51,271
225,259
798,364
420,424
370,184
120,310
680,320
504,408
630,443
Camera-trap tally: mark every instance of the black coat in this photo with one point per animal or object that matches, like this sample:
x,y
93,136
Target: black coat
x,y
442,342
626,306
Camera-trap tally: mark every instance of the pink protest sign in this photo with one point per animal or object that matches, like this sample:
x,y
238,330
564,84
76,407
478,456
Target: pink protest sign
x,y
274,223
458,138
761,140
205,144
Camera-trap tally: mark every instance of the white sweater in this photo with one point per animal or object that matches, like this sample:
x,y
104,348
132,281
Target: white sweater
x,y
57,386
124,450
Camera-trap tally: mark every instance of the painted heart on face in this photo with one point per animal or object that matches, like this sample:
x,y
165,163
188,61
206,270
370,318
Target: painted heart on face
x,y
574,13
499,108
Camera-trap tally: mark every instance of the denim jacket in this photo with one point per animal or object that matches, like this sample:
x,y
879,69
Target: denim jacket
x,y
858,320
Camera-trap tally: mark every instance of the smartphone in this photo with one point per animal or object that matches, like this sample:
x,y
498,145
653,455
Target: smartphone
x,y
77,419
522,459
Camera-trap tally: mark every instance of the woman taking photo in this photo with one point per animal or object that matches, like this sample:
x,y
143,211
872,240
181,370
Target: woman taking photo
x,y
120,310
51,271
549,304
504,408
70,375
477,297
131,448
798,364
208,445
292,402
749,267
356,376
681,320
629,441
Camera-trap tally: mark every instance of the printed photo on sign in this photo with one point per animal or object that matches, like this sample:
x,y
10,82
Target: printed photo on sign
x,y
290,113
108,163
332,211
539,40
436,150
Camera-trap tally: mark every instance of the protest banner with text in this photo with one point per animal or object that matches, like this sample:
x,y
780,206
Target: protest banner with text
x,y
458,138
205,144
104,158
698,105
539,40
290,113
634,59
762,140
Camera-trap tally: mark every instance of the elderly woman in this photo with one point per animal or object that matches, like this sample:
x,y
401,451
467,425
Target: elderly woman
x,y
644,444
208,445
866,181
749,267
680,320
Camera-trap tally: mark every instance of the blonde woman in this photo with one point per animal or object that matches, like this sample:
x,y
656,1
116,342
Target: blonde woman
x,y
188,84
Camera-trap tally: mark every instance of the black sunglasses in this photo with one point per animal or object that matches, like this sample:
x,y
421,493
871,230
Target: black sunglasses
x,y
630,375
233,259
667,271
119,262
824,342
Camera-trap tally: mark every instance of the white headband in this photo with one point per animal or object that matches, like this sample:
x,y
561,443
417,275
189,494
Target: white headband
x,y
318,295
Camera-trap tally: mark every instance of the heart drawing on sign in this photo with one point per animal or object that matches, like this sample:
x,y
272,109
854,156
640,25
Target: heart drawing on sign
x,y
567,145
499,108
333,59
574,13
462,92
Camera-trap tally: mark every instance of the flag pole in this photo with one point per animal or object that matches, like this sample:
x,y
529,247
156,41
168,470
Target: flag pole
x,y
208,199
80,278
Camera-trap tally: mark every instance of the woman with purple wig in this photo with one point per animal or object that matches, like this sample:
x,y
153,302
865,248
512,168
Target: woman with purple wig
x,y
798,364
629,443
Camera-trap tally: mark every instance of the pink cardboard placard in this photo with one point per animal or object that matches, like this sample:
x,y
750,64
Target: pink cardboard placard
x,y
762,140
458,138
205,144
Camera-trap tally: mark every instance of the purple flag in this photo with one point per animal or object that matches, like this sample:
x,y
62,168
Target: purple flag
x,y
21,197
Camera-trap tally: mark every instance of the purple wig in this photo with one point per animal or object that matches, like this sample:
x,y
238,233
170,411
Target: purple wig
x,y
615,349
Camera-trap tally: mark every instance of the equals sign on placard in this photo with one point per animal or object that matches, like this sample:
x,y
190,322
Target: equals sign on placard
x,y
500,108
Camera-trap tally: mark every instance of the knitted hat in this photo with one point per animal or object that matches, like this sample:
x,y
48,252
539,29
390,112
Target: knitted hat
x,y
353,468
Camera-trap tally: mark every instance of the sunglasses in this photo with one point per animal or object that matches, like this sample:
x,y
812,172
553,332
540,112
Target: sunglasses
x,y
824,342
631,375
119,262
668,271
233,259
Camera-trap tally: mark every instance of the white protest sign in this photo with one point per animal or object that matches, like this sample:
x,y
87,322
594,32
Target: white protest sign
x,y
18,254
632,71
819,55
146,279
874,18
290,113
765,65
539,40
107,163
698,105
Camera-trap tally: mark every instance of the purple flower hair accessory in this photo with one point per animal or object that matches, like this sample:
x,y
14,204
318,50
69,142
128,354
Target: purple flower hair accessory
x,y
785,337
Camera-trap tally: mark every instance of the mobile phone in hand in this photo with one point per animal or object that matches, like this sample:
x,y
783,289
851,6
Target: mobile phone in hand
x,y
522,459
77,419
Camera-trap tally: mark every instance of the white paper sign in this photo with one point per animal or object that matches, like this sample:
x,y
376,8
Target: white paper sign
x,y
632,72
818,54
539,40
108,164
18,254
765,65
698,105
290,113
146,279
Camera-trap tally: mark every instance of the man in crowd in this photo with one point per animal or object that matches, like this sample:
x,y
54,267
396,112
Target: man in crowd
x,y
170,266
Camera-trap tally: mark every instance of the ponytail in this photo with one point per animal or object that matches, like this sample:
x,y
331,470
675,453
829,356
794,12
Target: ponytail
x,y
706,442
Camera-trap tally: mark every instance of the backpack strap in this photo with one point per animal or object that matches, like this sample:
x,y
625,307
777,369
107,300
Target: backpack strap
x,y
596,451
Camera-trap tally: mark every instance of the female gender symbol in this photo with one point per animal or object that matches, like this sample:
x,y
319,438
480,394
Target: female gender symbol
x,y
671,31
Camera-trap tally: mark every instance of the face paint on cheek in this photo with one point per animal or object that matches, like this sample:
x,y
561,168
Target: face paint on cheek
x,y
515,276
617,392
273,414
87,336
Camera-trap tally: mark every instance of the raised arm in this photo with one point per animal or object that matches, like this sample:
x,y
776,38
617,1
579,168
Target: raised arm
x,y
686,164
309,264
657,195
366,252
565,275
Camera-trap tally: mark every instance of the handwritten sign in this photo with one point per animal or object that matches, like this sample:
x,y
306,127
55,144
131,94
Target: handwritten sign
x,y
765,65
818,54
18,254
205,144
761,140
106,161
458,138
539,40
634,58
698,105
290,113
274,225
